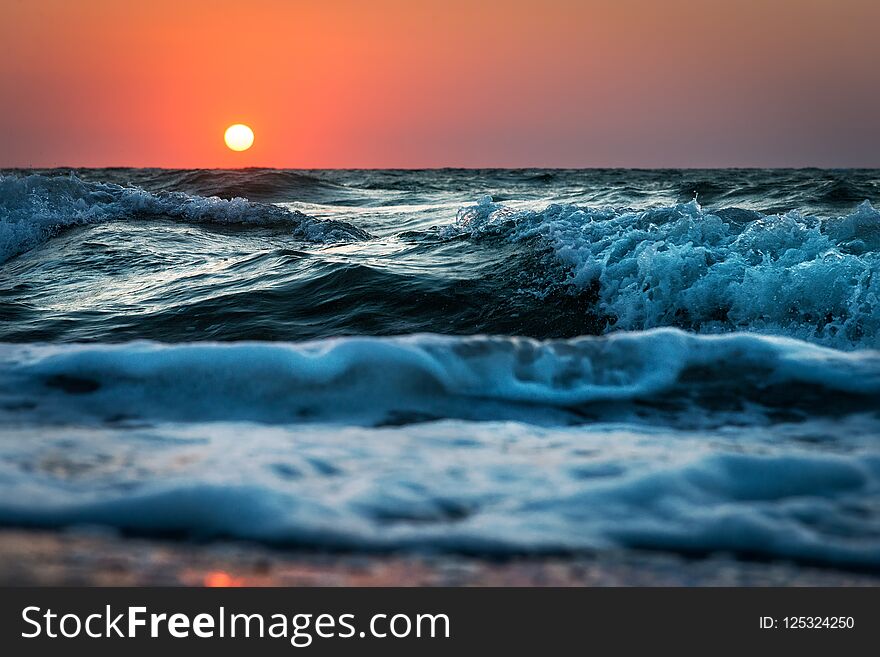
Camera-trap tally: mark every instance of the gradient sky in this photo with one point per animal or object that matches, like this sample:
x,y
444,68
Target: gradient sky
x,y
426,83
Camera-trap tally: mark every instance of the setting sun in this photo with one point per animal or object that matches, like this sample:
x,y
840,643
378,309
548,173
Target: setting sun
x,y
239,137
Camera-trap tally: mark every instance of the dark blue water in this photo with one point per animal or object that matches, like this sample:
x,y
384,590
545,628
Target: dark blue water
x,y
491,361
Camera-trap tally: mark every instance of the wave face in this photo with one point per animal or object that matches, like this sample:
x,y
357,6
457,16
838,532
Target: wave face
x,y
492,362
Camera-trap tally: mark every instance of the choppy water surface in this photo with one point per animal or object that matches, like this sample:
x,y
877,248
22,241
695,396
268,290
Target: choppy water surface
x,y
482,361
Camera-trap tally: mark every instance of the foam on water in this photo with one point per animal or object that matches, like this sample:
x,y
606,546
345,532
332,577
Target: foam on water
x,y
490,488
400,380
707,270
809,277
727,399
34,208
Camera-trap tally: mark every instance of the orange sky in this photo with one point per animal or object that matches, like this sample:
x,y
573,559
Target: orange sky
x,y
421,83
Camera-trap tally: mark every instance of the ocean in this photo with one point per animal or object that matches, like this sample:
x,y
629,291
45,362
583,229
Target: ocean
x,y
487,362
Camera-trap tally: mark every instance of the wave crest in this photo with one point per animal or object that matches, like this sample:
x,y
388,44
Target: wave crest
x,y
809,277
398,380
34,208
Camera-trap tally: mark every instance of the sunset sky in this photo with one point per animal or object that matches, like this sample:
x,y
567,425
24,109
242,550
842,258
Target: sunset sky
x,y
425,83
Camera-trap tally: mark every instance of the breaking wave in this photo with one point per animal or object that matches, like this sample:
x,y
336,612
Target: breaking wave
x,y
760,447
815,278
34,208
373,381
682,360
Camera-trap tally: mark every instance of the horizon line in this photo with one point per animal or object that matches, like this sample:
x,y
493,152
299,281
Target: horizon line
x,y
457,168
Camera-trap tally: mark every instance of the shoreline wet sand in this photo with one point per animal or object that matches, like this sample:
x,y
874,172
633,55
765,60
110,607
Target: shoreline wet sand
x,y
45,558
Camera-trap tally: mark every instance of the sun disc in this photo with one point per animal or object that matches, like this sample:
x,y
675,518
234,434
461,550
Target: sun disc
x,y
239,137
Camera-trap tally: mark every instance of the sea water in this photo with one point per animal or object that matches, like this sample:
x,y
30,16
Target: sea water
x,y
489,362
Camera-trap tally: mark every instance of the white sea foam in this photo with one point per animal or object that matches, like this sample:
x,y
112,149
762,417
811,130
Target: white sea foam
x,y
809,277
381,380
33,208
453,485
660,439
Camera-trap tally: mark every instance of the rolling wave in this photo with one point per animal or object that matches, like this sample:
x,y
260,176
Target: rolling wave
x,y
409,494
810,277
265,185
760,447
681,360
544,271
34,208
374,381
